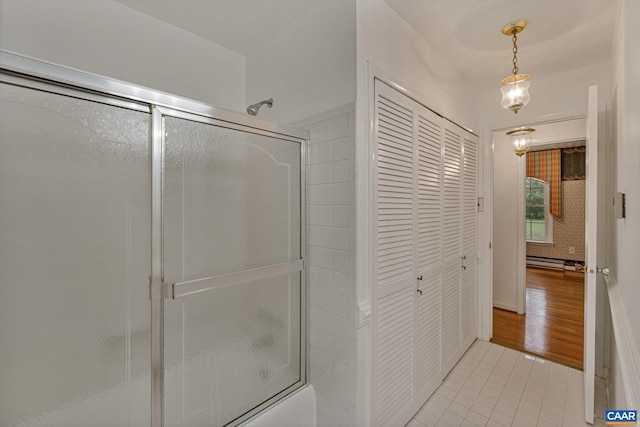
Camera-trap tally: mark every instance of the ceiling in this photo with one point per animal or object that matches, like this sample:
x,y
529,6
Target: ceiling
x,y
561,34
239,25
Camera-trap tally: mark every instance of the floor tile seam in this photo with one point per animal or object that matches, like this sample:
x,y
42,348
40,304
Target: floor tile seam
x,y
510,370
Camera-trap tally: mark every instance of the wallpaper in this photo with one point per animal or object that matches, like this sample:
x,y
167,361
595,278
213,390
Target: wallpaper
x,y
568,231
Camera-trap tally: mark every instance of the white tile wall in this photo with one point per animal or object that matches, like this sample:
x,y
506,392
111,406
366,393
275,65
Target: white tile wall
x,y
331,266
496,386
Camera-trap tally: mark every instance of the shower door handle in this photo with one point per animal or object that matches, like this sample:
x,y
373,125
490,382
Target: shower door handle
x,y
181,289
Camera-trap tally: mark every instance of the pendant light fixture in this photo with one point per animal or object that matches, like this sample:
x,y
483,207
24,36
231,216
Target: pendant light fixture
x,y
515,88
520,139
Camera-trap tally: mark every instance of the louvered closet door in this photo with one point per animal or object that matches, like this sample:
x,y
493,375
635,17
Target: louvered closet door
x,y
428,367
452,246
469,240
394,270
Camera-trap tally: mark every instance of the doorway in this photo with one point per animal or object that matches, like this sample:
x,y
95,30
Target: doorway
x,y
538,276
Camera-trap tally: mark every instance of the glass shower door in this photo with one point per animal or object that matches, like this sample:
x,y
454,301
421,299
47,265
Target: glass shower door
x,y
232,270
74,260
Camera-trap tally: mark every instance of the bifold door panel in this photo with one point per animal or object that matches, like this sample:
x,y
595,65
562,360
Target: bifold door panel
x,y
423,304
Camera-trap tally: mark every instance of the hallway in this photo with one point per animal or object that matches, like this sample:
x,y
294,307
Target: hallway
x,y
496,386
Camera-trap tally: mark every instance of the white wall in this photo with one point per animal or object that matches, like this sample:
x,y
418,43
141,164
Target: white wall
x,y
309,67
388,42
626,158
107,38
508,257
396,51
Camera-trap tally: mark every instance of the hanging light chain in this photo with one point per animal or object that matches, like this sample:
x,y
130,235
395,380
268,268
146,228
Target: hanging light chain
x,y
515,87
515,53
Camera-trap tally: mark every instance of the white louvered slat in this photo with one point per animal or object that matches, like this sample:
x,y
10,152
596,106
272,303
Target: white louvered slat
x,y
394,355
395,188
452,199
469,314
452,246
470,228
450,317
470,238
429,192
428,339
395,221
428,366
425,220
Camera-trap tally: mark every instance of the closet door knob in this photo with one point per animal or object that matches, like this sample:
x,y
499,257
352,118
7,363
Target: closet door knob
x,y
420,291
420,277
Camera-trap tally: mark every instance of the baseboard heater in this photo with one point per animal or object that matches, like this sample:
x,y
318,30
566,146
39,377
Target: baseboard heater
x,y
554,264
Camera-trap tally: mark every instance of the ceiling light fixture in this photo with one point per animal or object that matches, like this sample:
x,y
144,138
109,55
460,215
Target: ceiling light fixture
x,y
515,88
520,139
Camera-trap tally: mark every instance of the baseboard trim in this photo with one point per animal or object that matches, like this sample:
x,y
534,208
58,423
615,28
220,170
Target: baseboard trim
x,y
503,306
627,348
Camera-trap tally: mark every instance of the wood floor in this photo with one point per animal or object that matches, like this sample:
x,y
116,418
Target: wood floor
x,y
554,324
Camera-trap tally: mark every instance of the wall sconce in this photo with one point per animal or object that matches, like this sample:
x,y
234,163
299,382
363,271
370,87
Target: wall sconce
x,y
520,139
515,88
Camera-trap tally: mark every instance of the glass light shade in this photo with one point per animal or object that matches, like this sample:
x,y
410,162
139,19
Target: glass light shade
x,y
515,92
520,139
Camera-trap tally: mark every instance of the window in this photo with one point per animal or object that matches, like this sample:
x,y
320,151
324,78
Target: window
x,y
539,223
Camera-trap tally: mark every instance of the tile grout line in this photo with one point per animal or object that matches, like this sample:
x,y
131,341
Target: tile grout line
x,y
530,376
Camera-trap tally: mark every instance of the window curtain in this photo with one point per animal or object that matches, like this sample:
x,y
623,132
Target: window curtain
x,y
545,165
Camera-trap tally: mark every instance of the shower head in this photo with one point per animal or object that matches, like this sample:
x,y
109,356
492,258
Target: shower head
x,y
253,109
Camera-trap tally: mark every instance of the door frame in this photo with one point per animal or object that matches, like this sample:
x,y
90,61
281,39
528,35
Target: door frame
x,y
565,136
485,217
485,290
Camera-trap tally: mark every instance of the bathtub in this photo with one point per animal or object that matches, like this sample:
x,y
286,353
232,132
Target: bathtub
x,y
297,410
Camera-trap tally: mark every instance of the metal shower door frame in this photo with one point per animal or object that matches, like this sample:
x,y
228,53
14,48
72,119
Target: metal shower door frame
x,y
30,73
161,290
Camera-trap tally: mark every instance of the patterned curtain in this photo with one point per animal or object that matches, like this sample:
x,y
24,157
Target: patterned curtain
x,y
545,165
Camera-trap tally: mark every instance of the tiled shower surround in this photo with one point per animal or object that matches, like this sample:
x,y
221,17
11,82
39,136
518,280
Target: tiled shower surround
x,y
331,265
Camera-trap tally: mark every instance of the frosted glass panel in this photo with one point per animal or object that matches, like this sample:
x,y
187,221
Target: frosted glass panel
x,y
231,200
231,203
230,349
74,262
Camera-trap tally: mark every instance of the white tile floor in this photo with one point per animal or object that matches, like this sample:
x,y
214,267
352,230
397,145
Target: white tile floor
x,y
496,386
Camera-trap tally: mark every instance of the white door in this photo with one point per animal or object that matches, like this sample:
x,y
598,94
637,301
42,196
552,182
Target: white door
x,y
394,258
591,249
452,247
428,364
469,240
